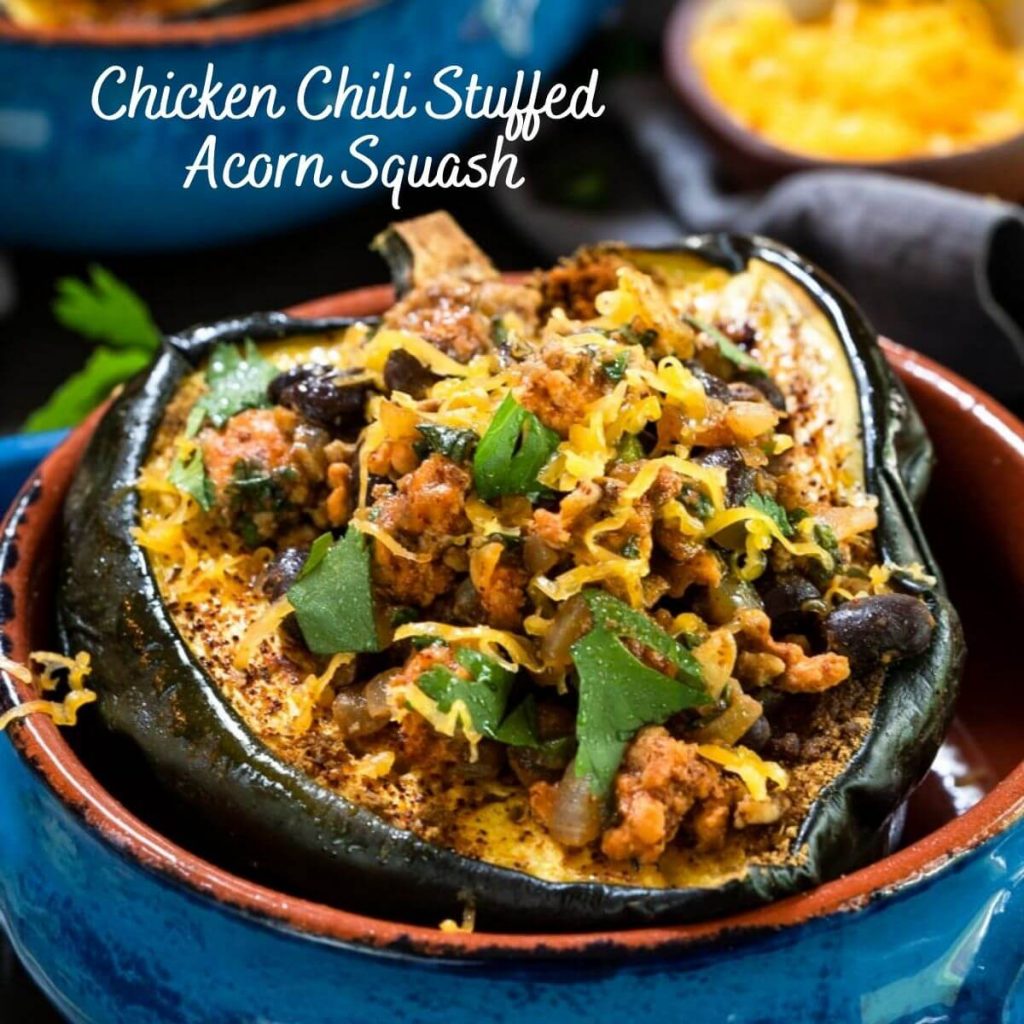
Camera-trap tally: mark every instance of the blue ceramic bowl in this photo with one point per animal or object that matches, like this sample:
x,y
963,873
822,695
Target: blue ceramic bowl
x,y
68,179
119,925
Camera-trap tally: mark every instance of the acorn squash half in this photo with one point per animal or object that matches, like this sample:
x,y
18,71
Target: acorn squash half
x,y
277,820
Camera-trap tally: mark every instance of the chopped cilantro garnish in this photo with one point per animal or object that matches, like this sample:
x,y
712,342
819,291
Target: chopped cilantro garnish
x,y
629,448
499,332
189,475
618,693
317,551
485,694
696,502
403,614
629,335
728,349
333,600
515,448
255,491
106,310
450,442
773,510
615,369
824,537
631,549
111,314
519,729
236,380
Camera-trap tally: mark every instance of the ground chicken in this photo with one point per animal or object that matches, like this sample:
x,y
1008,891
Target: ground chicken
x,y
662,781
423,514
430,502
266,467
503,595
458,315
576,508
557,385
262,437
804,673
574,285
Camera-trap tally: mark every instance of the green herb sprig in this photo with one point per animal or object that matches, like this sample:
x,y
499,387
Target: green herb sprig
x,y
106,311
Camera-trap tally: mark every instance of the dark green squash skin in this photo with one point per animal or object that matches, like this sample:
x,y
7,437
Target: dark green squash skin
x,y
153,692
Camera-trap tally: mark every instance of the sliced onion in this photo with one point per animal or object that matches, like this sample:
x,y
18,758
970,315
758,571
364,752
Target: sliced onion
x,y
352,717
571,621
538,557
576,815
733,723
377,691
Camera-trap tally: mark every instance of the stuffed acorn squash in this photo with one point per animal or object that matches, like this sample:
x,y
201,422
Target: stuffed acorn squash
x,y
591,597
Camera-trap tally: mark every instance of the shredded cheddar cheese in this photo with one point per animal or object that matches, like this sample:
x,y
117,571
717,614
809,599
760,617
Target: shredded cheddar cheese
x,y
871,80
486,638
754,772
62,712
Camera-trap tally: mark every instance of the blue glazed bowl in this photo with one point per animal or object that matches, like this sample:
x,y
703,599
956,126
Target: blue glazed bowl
x,y
119,925
69,179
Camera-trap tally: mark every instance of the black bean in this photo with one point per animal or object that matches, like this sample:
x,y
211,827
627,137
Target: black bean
x,y
282,571
403,372
875,631
792,602
758,735
714,387
323,395
767,387
739,477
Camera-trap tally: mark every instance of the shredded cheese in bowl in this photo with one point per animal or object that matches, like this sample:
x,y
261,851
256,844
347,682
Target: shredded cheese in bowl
x,y
878,80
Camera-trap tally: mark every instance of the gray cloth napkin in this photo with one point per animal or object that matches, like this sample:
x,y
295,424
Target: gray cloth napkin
x,y
936,269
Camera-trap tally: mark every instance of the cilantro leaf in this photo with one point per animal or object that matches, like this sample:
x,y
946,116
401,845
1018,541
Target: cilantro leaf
x,y
333,600
189,475
236,380
520,729
773,510
520,726
618,693
619,619
515,448
317,551
485,694
106,310
85,390
615,369
451,442
728,348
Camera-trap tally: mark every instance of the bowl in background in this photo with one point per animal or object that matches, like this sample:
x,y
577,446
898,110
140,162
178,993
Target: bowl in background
x,y
752,161
71,180
120,924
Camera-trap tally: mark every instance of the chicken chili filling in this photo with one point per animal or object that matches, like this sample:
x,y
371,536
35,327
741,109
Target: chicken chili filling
x,y
574,574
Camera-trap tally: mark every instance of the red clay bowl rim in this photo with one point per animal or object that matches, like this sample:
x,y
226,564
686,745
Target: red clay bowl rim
x,y
689,86
43,748
213,29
